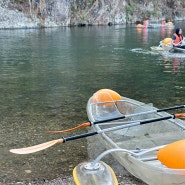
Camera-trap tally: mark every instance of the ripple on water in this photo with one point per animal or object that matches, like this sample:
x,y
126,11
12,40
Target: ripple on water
x,y
143,51
174,55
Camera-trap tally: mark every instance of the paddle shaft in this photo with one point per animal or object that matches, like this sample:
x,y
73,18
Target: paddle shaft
x,y
48,144
138,114
118,128
113,119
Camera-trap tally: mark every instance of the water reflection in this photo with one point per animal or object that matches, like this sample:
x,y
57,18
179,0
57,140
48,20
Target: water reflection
x,y
174,65
145,35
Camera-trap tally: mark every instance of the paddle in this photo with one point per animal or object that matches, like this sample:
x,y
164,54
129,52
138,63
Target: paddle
x,y
48,144
113,119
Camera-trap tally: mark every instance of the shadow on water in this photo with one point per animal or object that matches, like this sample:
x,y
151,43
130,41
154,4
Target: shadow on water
x,y
47,76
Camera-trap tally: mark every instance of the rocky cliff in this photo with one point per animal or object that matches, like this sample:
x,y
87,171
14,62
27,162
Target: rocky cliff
x,y
50,13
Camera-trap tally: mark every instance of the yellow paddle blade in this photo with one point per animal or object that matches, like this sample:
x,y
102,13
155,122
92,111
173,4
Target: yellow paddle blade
x,y
36,148
68,130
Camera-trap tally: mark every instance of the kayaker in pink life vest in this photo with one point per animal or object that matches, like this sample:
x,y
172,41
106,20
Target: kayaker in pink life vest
x,y
177,38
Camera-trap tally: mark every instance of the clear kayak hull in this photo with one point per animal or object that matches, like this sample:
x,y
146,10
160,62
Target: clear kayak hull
x,y
142,137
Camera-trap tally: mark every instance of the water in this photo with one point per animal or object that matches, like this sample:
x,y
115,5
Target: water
x,y
47,76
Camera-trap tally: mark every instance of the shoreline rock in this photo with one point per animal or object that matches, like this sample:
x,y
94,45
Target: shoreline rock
x,y
64,13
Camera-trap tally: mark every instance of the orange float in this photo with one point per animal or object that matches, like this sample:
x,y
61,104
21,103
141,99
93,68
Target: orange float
x,y
169,23
173,155
105,95
139,26
167,40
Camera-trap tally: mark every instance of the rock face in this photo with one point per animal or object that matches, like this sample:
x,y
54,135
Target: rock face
x,y
50,13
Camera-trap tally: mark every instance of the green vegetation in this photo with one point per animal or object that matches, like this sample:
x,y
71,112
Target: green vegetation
x,y
130,10
18,1
90,2
153,13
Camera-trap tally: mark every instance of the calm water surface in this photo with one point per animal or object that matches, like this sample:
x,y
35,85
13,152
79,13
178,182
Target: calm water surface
x,y
47,76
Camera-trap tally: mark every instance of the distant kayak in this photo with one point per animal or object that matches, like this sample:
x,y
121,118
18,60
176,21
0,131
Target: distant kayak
x,y
166,45
156,25
160,25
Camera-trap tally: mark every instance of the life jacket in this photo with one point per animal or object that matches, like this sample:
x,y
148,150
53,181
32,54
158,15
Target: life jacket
x,y
163,23
145,23
177,38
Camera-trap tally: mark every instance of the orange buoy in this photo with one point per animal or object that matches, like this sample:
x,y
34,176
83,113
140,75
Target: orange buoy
x,y
139,26
105,95
169,23
167,40
173,155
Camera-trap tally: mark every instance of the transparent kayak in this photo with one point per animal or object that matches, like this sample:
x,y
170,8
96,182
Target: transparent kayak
x,y
144,140
166,45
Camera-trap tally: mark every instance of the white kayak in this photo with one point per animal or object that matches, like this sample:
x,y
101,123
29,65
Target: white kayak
x,y
139,147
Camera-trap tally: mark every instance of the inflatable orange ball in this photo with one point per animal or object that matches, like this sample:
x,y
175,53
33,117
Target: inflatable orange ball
x,y
105,95
169,23
139,26
167,40
173,155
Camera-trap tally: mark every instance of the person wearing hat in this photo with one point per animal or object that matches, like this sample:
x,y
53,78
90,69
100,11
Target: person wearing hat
x,y
177,39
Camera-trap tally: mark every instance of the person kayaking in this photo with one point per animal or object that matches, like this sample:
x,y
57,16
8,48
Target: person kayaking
x,y
177,38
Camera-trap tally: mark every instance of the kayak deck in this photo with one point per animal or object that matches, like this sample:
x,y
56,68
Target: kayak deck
x,y
141,136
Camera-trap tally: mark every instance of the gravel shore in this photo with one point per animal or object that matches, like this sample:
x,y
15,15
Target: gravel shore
x,y
122,180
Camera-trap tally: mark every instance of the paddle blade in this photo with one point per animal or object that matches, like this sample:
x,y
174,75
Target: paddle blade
x,y
68,130
36,148
180,115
